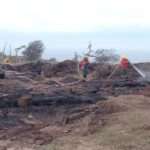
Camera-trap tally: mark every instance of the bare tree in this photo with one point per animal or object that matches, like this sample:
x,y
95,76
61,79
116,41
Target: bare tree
x,y
34,51
17,51
52,61
105,56
76,59
104,59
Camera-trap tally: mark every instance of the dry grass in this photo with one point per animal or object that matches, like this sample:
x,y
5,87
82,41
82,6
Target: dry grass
x,y
127,130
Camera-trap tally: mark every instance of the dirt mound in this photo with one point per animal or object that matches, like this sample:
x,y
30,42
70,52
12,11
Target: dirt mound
x,y
145,92
70,79
60,69
130,73
55,122
125,130
103,71
69,67
27,67
60,108
74,92
48,69
116,73
63,104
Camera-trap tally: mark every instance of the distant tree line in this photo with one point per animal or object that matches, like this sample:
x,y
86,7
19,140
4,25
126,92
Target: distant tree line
x,y
34,51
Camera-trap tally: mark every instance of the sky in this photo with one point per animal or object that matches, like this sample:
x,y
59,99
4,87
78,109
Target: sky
x,y
73,15
66,26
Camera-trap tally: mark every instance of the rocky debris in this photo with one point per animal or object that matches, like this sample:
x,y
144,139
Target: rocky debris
x,y
102,71
49,70
22,76
26,136
58,106
24,102
116,72
67,70
129,74
2,74
42,130
14,92
70,79
26,67
60,69
34,69
54,131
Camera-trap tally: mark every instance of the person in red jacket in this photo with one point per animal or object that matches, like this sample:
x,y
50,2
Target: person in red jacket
x,y
124,63
84,67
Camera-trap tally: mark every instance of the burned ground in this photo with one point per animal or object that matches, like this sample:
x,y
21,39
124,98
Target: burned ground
x,y
36,110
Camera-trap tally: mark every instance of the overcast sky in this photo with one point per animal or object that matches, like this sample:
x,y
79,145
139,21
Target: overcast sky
x,y
73,15
119,24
